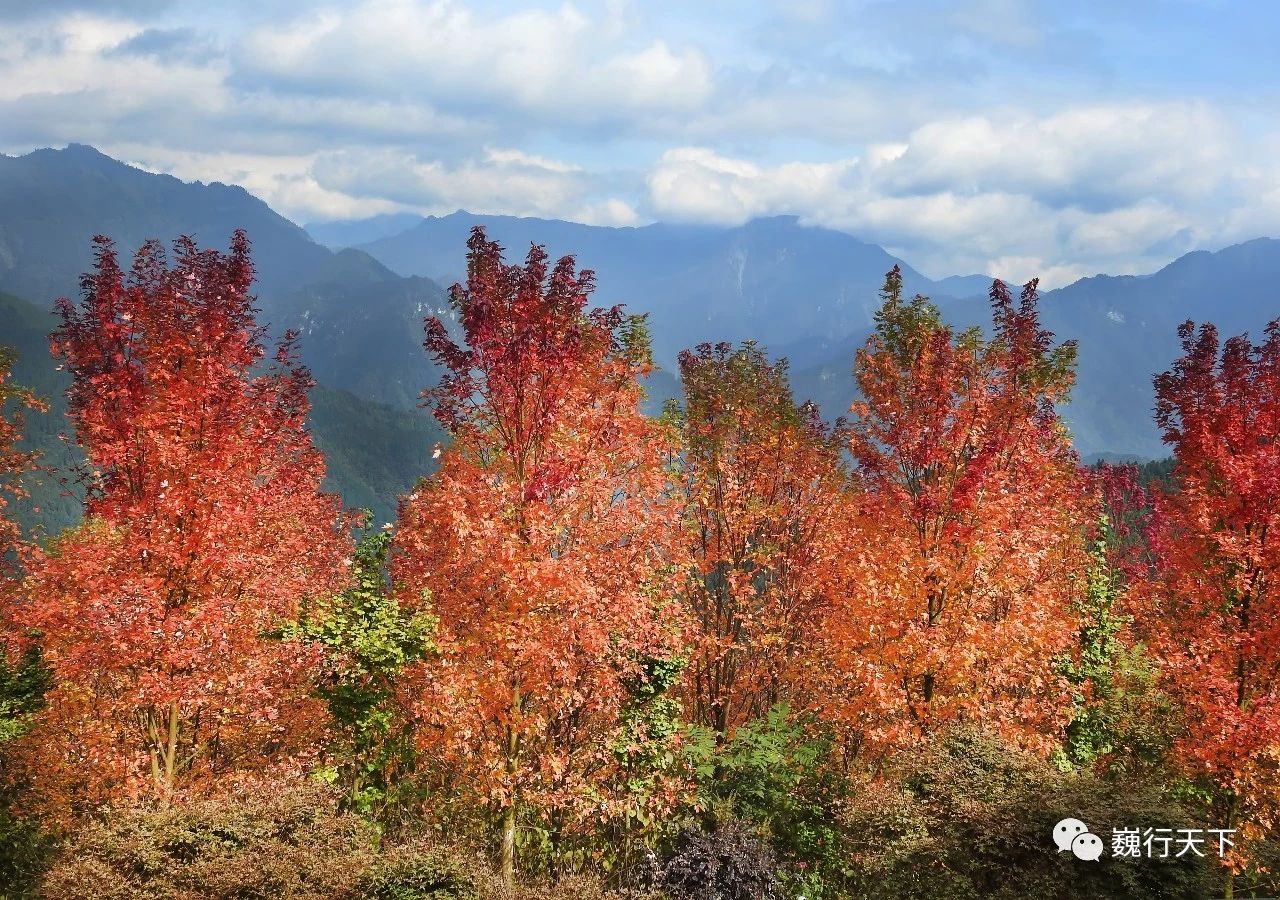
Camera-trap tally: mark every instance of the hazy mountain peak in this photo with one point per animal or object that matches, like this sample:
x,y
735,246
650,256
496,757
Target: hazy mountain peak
x,y
80,192
806,291
83,151
352,232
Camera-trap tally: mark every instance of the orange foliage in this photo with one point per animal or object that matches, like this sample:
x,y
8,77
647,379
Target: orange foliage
x,y
205,526
546,542
763,481
1212,612
966,547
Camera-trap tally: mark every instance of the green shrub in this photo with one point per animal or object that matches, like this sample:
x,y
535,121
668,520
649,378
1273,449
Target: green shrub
x,y
368,640
773,774
420,873
290,844
24,853
967,816
24,845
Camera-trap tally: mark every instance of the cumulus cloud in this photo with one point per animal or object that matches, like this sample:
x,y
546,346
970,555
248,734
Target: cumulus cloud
x,y
1095,188
68,78
1104,152
507,180
699,184
936,128
528,62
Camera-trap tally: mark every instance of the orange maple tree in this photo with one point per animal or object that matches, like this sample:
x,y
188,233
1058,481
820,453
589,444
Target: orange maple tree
x,y
1213,607
545,542
204,528
763,481
967,539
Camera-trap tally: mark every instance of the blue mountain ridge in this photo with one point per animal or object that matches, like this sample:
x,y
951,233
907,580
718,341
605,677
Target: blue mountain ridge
x,y
805,292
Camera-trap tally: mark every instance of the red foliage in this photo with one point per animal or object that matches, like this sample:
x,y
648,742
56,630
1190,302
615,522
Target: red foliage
x,y
1131,518
963,556
1214,614
764,482
204,528
546,541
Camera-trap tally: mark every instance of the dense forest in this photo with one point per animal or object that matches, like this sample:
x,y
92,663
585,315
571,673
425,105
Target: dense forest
x,y
730,652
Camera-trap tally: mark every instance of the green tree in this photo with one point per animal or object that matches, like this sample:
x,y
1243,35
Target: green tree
x,y
773,774
1121,722
22,688
1091,672
651,768
368,639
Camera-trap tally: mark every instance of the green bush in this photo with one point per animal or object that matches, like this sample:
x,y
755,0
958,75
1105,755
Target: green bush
x,y
24,845
420,873
368,640
24,853
967,816
774,775
292,844
268,843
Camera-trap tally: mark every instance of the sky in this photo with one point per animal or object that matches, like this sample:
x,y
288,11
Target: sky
x,y
997,137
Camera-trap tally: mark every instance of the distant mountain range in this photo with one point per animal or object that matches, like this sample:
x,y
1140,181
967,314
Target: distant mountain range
x,y
358,291
773,280
361,324
810,293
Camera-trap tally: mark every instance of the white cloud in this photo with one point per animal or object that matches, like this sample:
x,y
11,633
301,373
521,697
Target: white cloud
x,y
369,181
698,184
71,58
511,157
1129,150
1021,269
921,125
1127,231
614,212
496,180
1117,188
535,61
1085,189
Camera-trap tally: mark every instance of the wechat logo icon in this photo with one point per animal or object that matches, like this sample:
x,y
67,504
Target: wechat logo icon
x,y
1074,835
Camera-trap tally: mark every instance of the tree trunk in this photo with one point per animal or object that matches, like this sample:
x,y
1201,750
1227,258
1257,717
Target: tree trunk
x,y
1229,883
164,746
509,811
171,754
509,844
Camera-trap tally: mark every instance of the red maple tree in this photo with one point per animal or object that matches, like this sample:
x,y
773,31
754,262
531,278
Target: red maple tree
x,y
204,528
545,542
763,482
1214,603
968,532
